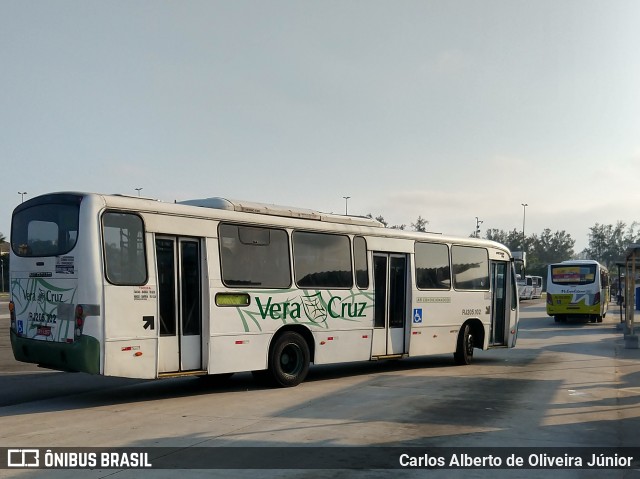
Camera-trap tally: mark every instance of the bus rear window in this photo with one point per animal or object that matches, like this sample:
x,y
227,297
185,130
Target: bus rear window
x,y
45,229
575,274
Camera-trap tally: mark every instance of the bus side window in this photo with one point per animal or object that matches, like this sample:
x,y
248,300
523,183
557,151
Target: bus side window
x,y
360,259
322,260
432,266
124,248
470,268
254,257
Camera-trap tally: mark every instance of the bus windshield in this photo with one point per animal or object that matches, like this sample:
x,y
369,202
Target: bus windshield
x,y
573,274
46,228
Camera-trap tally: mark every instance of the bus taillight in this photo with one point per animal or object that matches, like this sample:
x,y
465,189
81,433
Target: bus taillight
x,y
549,299
79,320
12,314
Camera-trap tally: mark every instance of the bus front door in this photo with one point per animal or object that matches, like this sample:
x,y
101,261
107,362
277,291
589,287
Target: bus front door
x,y
390,304
179,267
500,303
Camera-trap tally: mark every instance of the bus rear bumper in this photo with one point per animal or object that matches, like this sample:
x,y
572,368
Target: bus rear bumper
x,y
80,356
574,311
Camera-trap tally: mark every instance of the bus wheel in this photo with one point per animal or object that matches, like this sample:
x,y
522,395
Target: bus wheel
x,y
289,360
464,349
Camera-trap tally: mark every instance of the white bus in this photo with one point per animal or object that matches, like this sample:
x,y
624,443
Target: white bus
x,y
577,289
536,286
530,287
133,287
525,290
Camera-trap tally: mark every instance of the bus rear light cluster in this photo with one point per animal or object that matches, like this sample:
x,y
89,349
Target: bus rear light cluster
x,y
12,313
549,299
79,321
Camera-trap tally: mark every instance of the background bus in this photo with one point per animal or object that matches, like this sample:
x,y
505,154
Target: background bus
x,y
525,290
577,289
529,287
536,286
133,287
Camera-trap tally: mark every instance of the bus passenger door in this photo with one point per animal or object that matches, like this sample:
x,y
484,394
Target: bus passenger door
x,y
179,267
500,306
390,304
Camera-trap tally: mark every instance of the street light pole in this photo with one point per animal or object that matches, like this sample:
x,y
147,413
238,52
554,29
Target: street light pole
x,y
138,190
346,203
2,268
22,193
478,223
524,217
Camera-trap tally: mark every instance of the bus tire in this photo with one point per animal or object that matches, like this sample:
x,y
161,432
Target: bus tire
x,y
464,348
289,360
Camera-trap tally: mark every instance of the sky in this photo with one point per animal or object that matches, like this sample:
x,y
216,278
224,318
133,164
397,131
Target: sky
x,y
453,110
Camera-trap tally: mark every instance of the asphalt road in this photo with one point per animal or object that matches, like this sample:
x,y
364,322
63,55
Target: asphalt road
x,y
564,385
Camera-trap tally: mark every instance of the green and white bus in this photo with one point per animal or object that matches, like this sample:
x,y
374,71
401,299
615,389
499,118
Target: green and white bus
x,y
577,289
134,287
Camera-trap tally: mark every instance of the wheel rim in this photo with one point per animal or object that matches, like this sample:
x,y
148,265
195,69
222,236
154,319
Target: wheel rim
x,y
470,345
291,359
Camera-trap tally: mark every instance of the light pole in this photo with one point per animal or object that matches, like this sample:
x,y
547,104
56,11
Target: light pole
x,y
2,254
22,193
346,205
478,223
524,217
138,190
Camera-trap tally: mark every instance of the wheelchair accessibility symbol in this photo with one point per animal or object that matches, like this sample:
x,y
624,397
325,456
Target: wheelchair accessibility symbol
x,y
417,316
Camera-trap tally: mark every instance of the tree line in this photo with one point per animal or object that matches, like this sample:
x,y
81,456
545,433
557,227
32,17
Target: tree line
x,y
543,249
607,243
